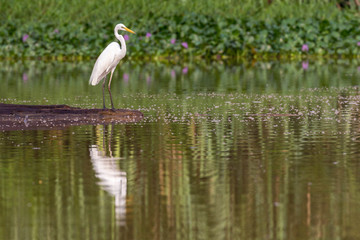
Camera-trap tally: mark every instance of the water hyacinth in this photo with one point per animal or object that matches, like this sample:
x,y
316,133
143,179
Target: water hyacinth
x,y
184,44
148,79
305,48
126,77
305,65
25,77
208,46
185,70
25,37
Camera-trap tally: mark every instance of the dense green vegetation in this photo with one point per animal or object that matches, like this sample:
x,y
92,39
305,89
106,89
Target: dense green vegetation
x,y
207,29
92,12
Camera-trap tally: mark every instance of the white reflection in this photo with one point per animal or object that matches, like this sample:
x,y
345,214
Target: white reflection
x,y
112,180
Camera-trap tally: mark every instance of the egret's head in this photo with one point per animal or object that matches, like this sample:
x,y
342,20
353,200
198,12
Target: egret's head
x,y
123,28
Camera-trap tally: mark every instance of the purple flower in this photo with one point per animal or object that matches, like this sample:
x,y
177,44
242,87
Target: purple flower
x,y
148,35
184,44
56,30
305,48
126,77
173,73
185,70
358,43
173,41
148,79
126,37
25,37
305,65
25,77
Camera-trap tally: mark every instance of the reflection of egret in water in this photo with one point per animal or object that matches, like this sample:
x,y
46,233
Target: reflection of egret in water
x,y
112,180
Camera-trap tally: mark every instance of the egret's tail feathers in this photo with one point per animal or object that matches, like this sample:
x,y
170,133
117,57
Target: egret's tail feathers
x,y
94,80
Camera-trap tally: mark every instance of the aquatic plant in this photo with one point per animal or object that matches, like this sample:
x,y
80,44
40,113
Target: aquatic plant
x,y
25,37
185,45
305,48
189,35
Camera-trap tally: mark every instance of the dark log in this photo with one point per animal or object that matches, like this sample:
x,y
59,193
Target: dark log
x,y
20,117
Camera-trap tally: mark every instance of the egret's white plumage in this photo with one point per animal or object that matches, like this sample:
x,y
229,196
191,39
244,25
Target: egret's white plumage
x,y
108,60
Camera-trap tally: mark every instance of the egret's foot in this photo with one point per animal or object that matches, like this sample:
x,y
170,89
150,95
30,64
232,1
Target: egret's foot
x,y
113,109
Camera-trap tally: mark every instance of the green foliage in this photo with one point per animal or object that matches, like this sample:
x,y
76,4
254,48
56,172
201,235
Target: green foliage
x,y
90,11
207,37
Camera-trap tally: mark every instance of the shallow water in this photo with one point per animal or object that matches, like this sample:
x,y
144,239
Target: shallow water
x,y
247,151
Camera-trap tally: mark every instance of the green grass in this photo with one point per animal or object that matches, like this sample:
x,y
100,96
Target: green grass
x,y
92,12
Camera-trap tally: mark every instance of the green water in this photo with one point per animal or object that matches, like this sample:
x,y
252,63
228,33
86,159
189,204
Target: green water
x,y
246,151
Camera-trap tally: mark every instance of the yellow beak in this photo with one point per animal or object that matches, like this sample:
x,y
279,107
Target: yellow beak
x,y
129,30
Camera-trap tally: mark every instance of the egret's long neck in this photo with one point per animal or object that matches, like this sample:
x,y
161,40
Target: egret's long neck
x,y
121,39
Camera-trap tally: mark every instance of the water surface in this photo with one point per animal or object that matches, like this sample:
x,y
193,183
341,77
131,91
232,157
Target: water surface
x,y
246,151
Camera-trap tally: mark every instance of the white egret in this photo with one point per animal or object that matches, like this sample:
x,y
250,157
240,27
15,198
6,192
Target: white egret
x,y
108,60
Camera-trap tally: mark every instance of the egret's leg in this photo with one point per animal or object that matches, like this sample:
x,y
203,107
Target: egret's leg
x,y
112,104
104,93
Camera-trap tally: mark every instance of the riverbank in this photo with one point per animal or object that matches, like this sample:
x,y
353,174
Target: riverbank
x,y
189,36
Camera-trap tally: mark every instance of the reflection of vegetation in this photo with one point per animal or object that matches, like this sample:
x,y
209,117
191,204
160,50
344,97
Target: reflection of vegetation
x,y
211,170
203,163
67,83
